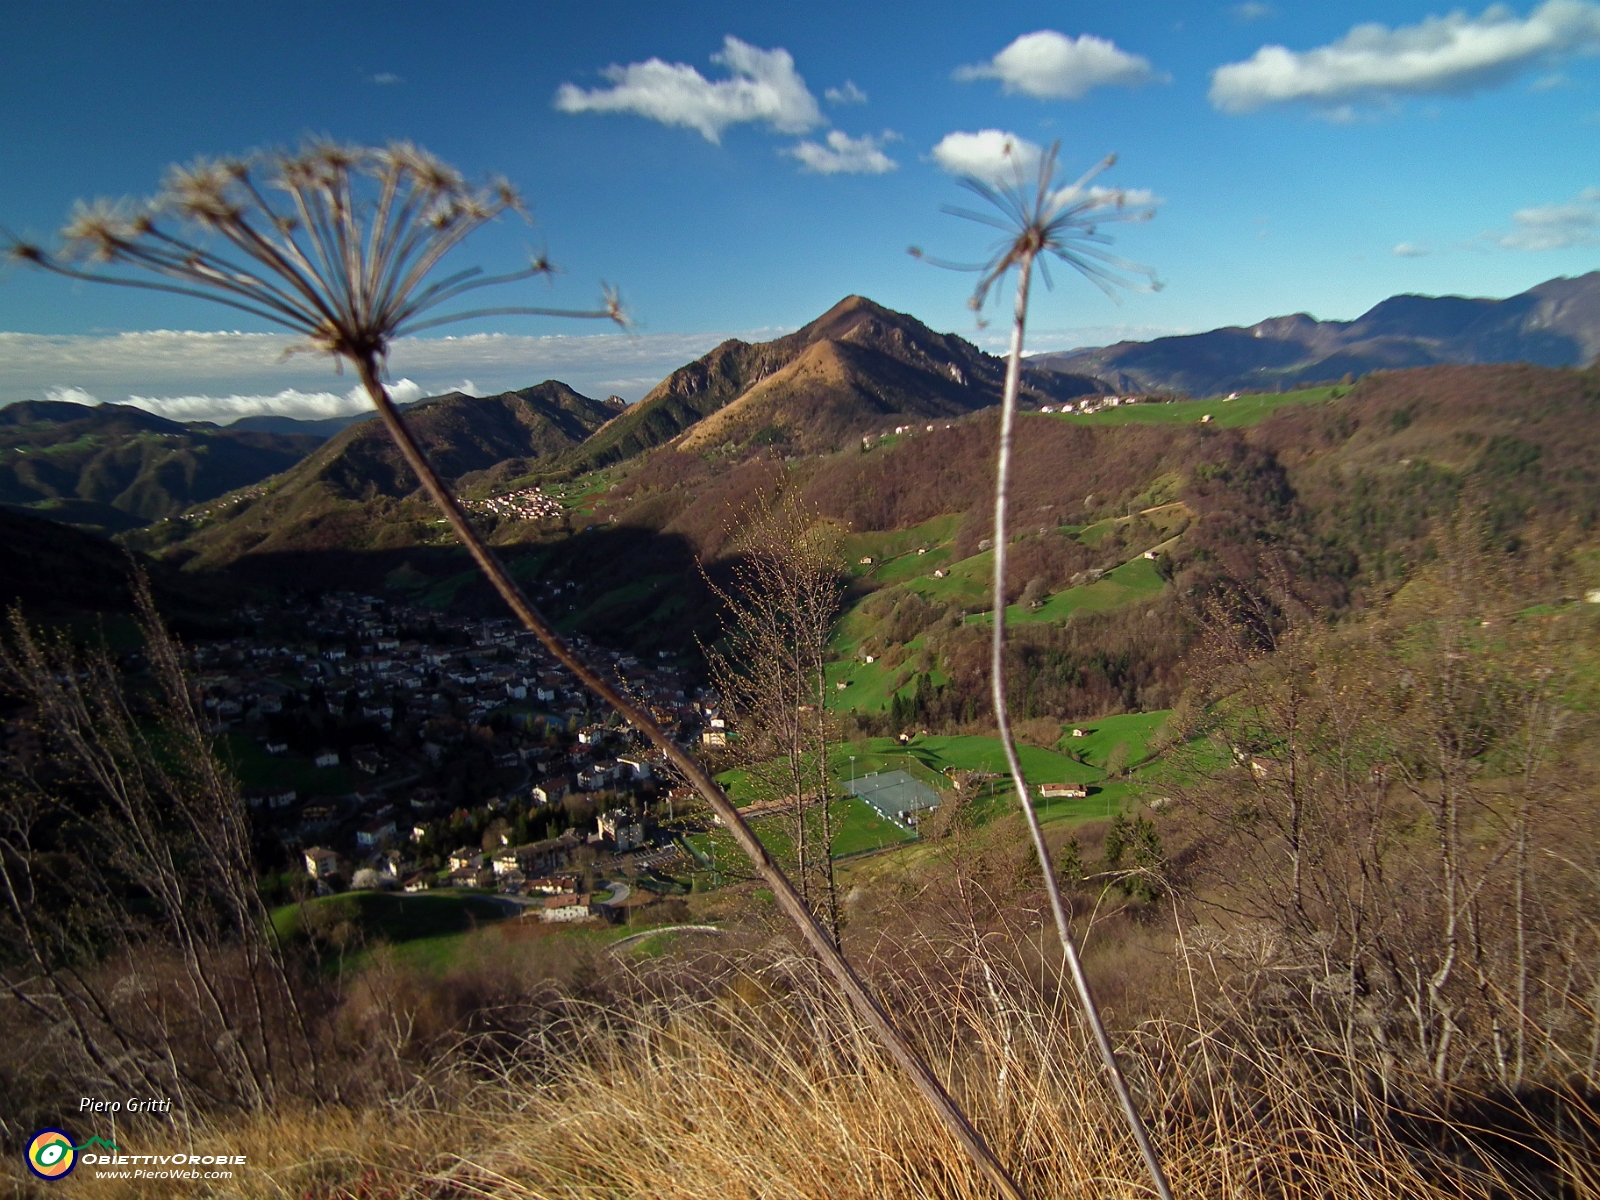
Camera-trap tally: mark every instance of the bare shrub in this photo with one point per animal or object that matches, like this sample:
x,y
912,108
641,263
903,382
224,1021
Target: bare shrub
x,y
130,922
1402,843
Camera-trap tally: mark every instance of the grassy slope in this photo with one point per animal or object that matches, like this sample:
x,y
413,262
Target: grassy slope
x,y
1133,729
857,828
391,917
1132,581
928,759
1230,414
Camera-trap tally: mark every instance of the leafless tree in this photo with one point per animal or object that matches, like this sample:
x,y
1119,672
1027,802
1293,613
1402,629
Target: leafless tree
x,y
771,672
343,246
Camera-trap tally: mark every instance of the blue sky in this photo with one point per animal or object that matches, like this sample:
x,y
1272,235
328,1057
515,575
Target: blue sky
x,y
1314,157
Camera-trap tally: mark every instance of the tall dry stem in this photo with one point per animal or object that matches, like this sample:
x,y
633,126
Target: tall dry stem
x,y
347,259
1039,220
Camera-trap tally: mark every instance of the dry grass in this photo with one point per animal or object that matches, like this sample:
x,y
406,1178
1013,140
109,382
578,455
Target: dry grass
x,y
759,1085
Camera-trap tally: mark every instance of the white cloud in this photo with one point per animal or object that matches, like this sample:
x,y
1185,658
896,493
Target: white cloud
x,y
384,78
221,376
845,155
1409,250
302,406
1131,197
1554,226
1253,11
1454,54
70,395
848,94
1052,66
765,87
992,155
997,157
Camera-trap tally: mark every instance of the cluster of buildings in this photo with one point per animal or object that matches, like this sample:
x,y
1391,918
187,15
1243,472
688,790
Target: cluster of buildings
x,y
1093,404
391,728
526,504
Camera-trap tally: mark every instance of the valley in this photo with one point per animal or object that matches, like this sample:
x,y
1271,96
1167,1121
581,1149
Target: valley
x,y
432,797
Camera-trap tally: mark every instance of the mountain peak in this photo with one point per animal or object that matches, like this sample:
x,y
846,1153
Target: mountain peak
x,y
845,317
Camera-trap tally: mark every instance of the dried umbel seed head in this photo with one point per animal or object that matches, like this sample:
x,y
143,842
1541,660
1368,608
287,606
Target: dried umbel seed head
x,y
341,244
1040,220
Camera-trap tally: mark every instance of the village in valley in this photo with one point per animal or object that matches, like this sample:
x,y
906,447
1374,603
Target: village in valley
x,y
385,747
390,747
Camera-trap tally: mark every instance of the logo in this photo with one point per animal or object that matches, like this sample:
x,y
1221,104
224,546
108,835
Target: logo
x,y
51,1154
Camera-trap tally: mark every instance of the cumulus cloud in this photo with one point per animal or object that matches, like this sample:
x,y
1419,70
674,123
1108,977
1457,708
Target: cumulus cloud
x,y
992,155
845,155
764,87
1408,250
848,94
1052,66
1454,54
1554,226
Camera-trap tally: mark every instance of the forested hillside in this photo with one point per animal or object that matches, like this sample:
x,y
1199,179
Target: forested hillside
x,y
115,467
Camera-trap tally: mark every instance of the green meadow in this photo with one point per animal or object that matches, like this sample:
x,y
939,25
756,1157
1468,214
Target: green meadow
x,y
1229,414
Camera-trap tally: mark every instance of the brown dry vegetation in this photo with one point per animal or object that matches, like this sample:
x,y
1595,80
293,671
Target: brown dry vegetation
x,y
733,1071
1355,955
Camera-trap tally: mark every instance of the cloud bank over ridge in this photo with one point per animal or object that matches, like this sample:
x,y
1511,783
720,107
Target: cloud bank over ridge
x,y
189,375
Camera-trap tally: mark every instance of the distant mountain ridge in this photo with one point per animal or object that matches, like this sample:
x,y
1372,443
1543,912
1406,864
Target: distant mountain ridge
x,y
117,467
1556,324
461,434
323,427
347,491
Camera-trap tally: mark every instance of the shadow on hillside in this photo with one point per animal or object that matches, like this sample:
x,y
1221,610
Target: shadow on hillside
x,y
627,587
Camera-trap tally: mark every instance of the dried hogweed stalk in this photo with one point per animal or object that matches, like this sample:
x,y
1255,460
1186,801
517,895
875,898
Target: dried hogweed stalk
x,y
1040,221
345,246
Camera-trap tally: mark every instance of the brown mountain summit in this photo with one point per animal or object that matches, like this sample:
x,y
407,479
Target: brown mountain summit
x,y
855,367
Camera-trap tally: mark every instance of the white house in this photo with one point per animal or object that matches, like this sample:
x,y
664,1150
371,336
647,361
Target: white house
x,y
321,862
639,768
621,828
1056,791
570,907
